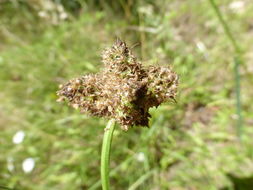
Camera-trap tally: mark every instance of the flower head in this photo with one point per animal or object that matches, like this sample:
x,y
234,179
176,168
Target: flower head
x,y
124,90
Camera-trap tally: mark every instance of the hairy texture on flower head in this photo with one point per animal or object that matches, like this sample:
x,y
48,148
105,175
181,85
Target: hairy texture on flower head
x,y
123,90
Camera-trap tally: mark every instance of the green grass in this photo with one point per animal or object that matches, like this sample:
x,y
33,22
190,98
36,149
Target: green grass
x,y
191,144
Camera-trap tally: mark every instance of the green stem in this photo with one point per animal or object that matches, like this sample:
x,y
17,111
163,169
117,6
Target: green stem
x,y
238,95
105,154
237,63
112,173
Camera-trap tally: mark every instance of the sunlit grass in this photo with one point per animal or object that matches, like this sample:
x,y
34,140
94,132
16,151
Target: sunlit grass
x,y
189,145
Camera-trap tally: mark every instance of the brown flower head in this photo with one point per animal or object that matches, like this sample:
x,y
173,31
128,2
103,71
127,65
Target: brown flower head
x,y
124,90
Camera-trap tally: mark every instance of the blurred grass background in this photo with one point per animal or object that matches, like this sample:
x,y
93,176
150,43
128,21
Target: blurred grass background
x,y
190,145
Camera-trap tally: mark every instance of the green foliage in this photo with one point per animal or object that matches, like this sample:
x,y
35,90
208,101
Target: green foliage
x,y
191,144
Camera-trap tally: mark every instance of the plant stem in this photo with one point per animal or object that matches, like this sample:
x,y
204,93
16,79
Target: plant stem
x,y
112,173
238,96
105,154
237,63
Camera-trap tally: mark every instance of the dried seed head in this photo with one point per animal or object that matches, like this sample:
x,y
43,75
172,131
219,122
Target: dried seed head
x,y
124,90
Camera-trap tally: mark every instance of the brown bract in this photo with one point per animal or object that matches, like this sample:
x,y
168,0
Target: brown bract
x,y
124,90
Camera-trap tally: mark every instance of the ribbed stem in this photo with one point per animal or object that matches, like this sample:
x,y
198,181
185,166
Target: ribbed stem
x,y
105,154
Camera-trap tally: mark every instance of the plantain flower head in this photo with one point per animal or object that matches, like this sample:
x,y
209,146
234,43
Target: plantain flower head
x,y
124,90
